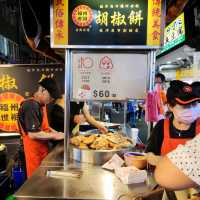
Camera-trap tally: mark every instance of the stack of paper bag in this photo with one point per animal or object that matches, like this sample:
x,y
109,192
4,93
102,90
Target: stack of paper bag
x,y
113,163
129,175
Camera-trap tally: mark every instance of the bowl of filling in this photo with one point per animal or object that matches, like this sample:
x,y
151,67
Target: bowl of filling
x,y
135,159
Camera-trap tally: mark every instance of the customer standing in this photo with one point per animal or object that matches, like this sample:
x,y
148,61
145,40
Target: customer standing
x,y
33,124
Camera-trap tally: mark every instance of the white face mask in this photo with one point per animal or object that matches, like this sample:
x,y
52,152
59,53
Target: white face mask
x,y
187,115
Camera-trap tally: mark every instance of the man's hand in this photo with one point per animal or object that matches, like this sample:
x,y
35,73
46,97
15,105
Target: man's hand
x,y
78,119
59,136
103,129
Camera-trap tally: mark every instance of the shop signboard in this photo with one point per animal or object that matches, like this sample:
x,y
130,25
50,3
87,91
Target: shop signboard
x,y
174,34
192,74
94,23
18,82
109,76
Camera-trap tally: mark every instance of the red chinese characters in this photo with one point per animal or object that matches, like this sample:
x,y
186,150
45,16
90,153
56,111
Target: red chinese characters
x,y
156,20
59,22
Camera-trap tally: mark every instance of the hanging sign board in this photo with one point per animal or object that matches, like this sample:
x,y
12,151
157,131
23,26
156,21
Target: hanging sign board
x,y
18,82
100,23
174,34
109,76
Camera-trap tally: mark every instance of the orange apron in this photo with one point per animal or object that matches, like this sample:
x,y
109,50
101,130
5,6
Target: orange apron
x,y
169,143
35,150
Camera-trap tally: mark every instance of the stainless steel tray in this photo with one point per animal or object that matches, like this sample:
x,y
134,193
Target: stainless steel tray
x,y
96,157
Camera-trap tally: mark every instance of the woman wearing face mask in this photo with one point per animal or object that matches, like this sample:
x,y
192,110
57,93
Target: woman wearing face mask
x,y
183,101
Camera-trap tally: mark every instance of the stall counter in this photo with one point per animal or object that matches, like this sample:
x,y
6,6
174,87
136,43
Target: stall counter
x,y
94,184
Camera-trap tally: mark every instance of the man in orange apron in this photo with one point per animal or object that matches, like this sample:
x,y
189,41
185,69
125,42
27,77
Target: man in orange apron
x,y
33,124
183,125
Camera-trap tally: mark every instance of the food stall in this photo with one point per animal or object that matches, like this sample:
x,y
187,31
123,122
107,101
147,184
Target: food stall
x,y
110,56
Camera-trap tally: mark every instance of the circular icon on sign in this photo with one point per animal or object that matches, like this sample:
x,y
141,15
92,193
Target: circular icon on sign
x,y
82,16
86,62
106,63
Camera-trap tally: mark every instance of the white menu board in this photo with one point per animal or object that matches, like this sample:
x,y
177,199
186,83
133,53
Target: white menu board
x,y
109,76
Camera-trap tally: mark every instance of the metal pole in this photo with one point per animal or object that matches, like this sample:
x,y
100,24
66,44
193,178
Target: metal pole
x,y
125,111
151,66
152,69
67,107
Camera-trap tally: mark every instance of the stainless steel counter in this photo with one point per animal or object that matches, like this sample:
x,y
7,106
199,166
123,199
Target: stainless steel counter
x,y
94,184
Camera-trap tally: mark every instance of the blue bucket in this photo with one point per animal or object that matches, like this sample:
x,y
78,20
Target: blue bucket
x,y
18,177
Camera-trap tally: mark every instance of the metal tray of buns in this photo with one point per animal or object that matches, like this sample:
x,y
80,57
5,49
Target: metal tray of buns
x,y
101,149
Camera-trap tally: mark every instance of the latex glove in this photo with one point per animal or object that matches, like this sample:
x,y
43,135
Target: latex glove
x,y
76,129
152,159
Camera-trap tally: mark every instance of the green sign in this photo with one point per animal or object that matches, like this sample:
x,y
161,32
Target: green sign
x,y
174,34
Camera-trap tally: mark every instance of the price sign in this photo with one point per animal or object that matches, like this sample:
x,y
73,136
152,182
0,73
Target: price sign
x,y
109,76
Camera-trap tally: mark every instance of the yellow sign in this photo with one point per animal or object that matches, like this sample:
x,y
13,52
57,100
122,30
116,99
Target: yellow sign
x,y
7,82
60,23
9,106
187,73
154,22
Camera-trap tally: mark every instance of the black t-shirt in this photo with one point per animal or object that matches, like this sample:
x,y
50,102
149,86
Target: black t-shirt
x,y
30,115
155,141
57,116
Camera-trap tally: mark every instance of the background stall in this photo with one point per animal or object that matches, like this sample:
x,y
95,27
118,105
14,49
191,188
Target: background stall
x,y
18,82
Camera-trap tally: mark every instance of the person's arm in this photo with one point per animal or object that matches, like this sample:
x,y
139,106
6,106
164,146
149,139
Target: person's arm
x,y
169,176
179,169
42,135
30,117
91,120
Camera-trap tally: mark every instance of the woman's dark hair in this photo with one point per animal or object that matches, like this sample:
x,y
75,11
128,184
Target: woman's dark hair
x,y
172,92
161,76
183,93
196,87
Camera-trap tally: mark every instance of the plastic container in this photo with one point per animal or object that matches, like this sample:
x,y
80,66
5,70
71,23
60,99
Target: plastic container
x,y
135,159
134,134
18,177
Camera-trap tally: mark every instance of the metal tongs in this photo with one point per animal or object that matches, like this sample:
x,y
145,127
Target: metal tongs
x,y
64,173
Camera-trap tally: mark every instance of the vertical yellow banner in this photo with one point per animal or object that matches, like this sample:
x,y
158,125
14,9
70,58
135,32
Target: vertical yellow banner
x,y
154,22
60,22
